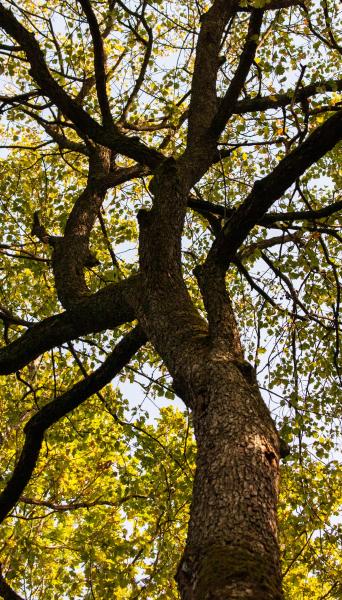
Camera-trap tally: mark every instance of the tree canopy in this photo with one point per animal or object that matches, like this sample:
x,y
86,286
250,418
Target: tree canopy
x,y
160,162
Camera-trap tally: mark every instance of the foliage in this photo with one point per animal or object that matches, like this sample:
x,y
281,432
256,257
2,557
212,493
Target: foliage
x,y
105,512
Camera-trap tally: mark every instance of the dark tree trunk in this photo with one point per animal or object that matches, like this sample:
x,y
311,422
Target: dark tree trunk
x,y
232,550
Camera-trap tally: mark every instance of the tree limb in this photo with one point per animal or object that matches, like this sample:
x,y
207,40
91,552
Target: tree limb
x,y
71,252
272,5
77,505
247,251
268,219
70,107
273,101
99,64
106,309
226,106
6,592
58,408
267,190
203,101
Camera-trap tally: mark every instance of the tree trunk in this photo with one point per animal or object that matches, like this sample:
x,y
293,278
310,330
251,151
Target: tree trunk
x,y
232,549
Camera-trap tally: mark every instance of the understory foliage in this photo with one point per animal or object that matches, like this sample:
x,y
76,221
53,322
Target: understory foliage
x,y
104,513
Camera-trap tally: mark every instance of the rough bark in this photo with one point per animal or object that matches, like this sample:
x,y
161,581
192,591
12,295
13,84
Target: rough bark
x,y
232,549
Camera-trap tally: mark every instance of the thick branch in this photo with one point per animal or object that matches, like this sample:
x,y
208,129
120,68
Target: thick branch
x,y
9,318
121,175
226,107
58,408
203,206
267,190
71,252
207,116
6,592
223,330
272,5
106,309
203,102
61,139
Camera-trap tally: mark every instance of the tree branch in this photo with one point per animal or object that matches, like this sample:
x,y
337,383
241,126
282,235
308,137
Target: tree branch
x,y
99,64
70,107
203,101
77,505
267,190
147,55
268,243
6,592
207,115
203,206
223,330
106,309
273,101
302,215
272,5
71,252
7,317
226,106
58,408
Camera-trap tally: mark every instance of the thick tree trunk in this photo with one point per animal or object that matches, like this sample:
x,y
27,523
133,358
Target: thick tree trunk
x,y
232,550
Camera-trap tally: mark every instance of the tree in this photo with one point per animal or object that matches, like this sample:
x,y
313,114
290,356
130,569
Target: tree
x,y
170,217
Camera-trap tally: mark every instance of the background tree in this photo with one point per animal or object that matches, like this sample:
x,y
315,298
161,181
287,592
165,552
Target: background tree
x,y
170,216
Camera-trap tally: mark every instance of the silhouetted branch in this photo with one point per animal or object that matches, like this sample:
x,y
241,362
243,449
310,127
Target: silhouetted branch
x,y
99,63
267,190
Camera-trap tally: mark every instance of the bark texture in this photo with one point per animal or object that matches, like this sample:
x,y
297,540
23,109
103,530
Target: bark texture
x,y
232,549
